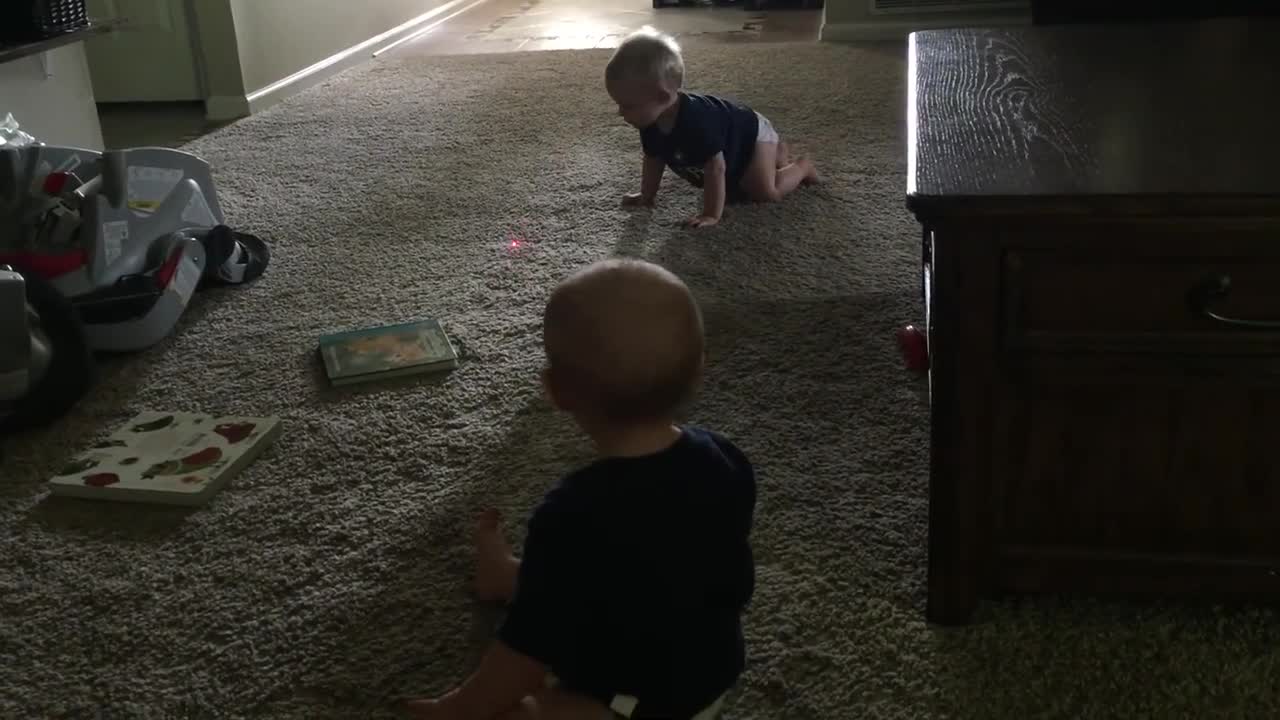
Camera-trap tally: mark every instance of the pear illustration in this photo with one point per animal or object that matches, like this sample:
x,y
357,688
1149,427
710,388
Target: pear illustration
x,y
78,466
152,426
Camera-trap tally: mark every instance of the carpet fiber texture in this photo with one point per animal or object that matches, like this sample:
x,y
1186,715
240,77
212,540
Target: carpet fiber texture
x,y
332,576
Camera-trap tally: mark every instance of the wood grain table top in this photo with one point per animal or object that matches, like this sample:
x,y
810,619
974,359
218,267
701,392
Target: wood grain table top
x,y
1173,117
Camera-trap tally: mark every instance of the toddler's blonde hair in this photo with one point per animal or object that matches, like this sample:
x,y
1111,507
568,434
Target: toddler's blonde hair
x,y
648,56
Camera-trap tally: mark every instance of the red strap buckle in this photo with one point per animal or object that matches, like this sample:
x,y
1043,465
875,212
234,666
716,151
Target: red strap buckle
x,y
55,182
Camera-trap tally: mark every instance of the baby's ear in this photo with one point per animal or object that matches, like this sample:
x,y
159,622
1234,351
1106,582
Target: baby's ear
x,y
550,390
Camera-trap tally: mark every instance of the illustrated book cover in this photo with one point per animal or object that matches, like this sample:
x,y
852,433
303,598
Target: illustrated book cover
x,y
412,348
166,457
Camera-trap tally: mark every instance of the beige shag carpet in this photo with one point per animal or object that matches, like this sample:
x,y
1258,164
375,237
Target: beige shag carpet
x,y
332,576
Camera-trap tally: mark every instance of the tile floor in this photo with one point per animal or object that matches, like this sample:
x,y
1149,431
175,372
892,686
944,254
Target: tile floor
x,y
527,25
495,26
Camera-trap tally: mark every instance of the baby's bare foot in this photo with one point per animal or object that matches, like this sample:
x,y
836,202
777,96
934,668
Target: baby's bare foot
x,y
496,566
811,176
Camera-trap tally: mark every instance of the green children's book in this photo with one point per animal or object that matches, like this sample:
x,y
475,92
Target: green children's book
x,y
171,458
413,348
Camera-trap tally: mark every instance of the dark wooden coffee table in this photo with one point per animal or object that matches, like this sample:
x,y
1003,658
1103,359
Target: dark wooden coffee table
x,y
1101,216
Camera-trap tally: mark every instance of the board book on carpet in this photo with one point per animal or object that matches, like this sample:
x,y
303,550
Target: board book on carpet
x,y
167,457
387,351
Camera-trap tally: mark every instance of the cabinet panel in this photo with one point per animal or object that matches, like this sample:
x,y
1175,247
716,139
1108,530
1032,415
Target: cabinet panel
x,y
1155,286
1143,460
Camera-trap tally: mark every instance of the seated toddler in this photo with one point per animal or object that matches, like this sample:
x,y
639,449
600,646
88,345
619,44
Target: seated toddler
x,y
723,147
637,568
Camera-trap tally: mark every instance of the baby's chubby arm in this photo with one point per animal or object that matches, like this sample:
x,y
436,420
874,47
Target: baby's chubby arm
x,y
713,192
650,180
503,679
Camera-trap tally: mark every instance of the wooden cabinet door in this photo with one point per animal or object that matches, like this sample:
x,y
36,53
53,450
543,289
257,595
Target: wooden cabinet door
x,y
1138,473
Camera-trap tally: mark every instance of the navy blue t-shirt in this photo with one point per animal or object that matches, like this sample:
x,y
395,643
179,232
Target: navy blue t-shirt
x,y
706,125
635,575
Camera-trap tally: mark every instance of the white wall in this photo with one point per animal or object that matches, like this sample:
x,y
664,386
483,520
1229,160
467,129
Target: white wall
x,y
260,51
58,110
219,56
247,46
280,37
247,54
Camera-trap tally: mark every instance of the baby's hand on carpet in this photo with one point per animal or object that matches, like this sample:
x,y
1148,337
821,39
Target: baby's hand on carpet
x,y
632,200
702,221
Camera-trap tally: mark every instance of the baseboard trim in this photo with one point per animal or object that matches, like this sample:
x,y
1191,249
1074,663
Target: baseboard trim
x,y
220,108
230,107
899,29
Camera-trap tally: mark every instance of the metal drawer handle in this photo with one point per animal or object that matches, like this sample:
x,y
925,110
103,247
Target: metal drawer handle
x,y
1217,288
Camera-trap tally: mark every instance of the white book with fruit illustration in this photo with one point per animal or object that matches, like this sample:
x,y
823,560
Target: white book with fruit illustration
x,y
166,457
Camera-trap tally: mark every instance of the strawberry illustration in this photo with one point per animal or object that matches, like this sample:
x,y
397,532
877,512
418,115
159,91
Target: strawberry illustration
x,y
234,432
200,459
101,479
196,461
